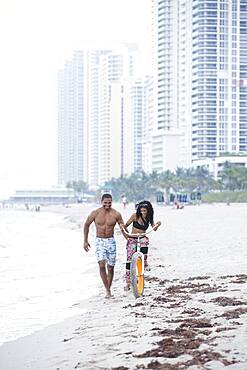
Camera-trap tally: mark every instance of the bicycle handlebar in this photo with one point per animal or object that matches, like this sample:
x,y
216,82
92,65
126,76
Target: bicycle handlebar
x,y
141,234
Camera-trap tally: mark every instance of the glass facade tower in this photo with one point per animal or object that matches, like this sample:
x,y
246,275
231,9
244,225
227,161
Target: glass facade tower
x,y
219,77
201,75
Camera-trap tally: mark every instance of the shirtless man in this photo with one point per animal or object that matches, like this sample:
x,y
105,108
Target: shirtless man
x,y
105,219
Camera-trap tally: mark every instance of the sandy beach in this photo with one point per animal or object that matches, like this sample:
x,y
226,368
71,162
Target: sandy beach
x,y
193,314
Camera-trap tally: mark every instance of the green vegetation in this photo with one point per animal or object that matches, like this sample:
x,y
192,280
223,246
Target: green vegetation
x,y
78,186
225,197
141,185
229,154
233,177
231,187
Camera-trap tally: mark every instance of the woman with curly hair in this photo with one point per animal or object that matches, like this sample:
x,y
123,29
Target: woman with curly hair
x,y
140,220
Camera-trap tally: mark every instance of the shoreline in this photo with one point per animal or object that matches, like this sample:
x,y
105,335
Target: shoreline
x,y
186,320
155,332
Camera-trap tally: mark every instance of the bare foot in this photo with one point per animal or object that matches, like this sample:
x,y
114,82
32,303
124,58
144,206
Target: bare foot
x,y
108,294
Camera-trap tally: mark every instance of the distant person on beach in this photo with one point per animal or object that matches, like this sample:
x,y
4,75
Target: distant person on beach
x,y
124,201
140,220
105,219
177,205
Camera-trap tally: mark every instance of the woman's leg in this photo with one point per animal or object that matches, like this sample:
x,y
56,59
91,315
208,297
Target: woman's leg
x,y
144,250
131,248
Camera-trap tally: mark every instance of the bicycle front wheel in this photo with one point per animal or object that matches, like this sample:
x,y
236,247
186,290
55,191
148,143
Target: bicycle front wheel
x,y
137,274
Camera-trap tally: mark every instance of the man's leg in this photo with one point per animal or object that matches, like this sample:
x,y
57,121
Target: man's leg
x,y
111,260
110,274
104,277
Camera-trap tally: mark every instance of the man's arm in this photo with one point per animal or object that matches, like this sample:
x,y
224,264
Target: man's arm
x,y
123,226
87,224
120,220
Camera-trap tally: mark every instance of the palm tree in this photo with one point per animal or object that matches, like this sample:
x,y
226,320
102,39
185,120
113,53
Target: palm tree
x,y
79,187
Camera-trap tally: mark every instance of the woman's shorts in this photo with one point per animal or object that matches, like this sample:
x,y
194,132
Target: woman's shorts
x,y
131,246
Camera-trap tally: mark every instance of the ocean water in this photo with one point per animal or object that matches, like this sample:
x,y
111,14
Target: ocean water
x,y
43,272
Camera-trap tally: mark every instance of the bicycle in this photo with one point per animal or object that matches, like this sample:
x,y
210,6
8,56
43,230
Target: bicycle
x,y
137,265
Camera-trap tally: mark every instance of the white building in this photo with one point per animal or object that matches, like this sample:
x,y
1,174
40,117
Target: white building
x,y
72,115
115,158
95,140
215,165
165,149
115,138
148,123
172,82
137,90
200,82
219,81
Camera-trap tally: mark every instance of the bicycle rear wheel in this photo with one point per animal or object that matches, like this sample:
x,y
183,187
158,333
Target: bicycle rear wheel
x,y
137,274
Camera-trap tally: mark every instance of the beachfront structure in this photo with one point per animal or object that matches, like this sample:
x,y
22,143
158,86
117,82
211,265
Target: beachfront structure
x,y
56,195
200,77
95,125
215,165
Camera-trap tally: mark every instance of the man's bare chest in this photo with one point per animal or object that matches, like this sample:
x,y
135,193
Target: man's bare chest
x,y
105,219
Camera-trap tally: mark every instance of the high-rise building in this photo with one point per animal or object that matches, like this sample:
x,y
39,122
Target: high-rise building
x,y
219,81
97,132
93,83
200,79
72,111
137,96
148,123
120,119
115,141
171,45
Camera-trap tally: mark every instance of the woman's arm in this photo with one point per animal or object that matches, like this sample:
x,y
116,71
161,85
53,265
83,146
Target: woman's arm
x,y
156,225
130,220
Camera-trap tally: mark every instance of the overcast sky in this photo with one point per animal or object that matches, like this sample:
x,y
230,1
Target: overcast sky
x,y
37,36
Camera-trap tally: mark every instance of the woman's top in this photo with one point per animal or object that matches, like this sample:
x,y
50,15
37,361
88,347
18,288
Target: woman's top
x,y
139,226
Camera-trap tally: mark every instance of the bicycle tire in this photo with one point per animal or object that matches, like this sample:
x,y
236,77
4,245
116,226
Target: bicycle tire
x,y
137,274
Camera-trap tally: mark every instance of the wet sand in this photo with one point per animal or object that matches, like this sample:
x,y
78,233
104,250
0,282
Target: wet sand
x,y
193,314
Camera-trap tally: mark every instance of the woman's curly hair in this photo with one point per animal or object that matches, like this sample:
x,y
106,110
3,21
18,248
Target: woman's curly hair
x,y
148,206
